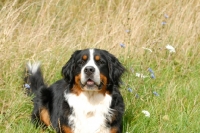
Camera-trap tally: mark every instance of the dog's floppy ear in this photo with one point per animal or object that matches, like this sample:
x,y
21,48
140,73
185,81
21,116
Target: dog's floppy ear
x,y
68,69
116,69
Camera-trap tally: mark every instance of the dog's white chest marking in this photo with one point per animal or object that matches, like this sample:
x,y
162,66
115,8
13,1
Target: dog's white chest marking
x,y
90,112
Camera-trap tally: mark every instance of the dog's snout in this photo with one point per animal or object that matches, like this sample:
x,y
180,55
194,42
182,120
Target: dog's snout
x,y
89,70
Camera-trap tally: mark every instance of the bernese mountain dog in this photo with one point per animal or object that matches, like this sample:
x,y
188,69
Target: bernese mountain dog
x,y
86,100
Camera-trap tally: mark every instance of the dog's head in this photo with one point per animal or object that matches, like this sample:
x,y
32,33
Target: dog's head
x,y
92,70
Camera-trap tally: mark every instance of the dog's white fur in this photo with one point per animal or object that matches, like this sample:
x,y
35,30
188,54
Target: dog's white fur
x,y
33,67
90,111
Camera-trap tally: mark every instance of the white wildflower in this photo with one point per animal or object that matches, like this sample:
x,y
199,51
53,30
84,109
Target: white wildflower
x,y
170,48
137,74
146,113
140,75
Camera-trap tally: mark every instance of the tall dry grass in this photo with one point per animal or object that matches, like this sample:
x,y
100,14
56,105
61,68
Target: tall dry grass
x,y
50,31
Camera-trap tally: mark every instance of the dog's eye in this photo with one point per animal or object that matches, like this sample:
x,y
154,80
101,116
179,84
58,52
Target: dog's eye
x,y
81,63
101,62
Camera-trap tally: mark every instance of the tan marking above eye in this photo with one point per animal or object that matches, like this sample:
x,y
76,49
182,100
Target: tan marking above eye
x,y
97,57
84,57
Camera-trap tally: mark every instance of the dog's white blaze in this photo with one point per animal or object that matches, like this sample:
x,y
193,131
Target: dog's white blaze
x,y
90,111
91,62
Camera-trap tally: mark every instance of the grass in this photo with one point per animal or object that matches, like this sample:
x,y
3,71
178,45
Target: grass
x,y
33,30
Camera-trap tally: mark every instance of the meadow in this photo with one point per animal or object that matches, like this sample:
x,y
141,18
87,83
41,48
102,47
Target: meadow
x,y
165,83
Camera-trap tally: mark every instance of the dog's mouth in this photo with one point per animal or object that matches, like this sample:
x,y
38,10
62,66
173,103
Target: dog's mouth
x,y
90,82
91,85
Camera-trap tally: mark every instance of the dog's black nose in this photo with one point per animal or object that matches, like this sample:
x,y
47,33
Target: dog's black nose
x,y
89,70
